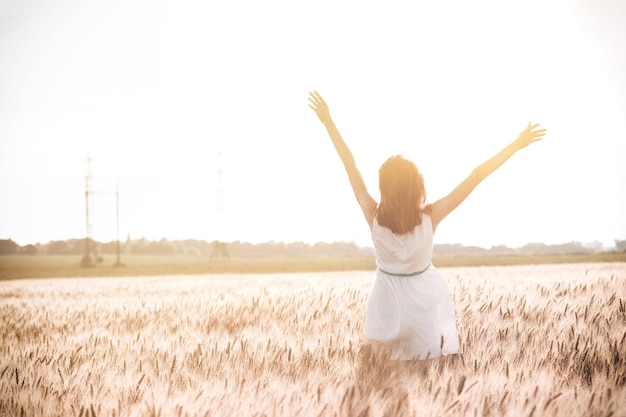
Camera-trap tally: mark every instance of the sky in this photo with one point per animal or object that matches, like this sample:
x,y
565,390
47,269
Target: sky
x,y
175,100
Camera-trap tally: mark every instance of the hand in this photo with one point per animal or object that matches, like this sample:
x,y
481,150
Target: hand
x,y
529,135
319,106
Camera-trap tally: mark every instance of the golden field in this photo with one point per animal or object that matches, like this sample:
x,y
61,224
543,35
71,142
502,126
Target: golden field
x,y
536,340
64,266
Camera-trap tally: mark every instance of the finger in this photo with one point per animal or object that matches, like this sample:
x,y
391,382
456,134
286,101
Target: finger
x,y
530,127
313,98
314,102
318,95
526,129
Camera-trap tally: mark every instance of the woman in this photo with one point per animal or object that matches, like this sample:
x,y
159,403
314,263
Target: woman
x,y
409,307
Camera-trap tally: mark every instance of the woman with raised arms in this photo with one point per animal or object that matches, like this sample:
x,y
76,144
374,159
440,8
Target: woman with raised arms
x,y
409,307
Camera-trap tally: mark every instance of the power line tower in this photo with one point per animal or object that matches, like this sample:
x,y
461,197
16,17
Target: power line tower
x,y
87,261
90,255
218,248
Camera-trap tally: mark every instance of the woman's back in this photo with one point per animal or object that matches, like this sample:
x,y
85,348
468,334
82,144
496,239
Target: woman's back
x,y
409,306
403,254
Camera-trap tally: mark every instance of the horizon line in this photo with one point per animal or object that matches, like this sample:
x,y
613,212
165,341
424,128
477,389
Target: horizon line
x,y
586,244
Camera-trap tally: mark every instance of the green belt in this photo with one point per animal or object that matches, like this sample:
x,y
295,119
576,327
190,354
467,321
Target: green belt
x,y
413,274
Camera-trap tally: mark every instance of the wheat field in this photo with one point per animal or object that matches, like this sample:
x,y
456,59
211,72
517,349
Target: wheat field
x,y
536,341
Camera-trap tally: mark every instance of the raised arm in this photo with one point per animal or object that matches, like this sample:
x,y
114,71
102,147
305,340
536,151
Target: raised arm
x,y
441,208
366,202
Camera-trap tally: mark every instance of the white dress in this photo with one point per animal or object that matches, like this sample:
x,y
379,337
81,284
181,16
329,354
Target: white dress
x,y
409,306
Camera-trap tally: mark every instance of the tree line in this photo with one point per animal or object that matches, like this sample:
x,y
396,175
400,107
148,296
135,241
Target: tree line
x,y
145,246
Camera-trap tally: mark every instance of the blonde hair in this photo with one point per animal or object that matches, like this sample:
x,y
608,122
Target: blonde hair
x,y
402,195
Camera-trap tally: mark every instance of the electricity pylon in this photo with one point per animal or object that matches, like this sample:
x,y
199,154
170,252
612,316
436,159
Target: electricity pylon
x,y
87,260
218,248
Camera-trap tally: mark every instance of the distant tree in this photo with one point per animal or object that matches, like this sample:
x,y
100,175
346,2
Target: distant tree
x,y
59,247
8,247
240,249
335,249
162,247
500,249
620,245
571,247
139,246
219,251
195,247
77,246
456,249
534,248
109,247
300,248
29,250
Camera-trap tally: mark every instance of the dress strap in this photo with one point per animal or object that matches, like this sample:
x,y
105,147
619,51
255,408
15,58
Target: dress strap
x,y
413,274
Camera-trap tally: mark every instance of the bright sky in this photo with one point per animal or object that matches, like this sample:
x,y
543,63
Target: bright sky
x,y
153,90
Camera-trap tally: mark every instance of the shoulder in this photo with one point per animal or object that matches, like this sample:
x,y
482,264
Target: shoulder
x,y
379,230
375,226
427,220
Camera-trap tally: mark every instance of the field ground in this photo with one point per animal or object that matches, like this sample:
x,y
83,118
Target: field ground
x,y
51,266
536,340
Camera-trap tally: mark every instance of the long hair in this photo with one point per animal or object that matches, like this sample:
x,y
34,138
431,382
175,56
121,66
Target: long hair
x,y
402,195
